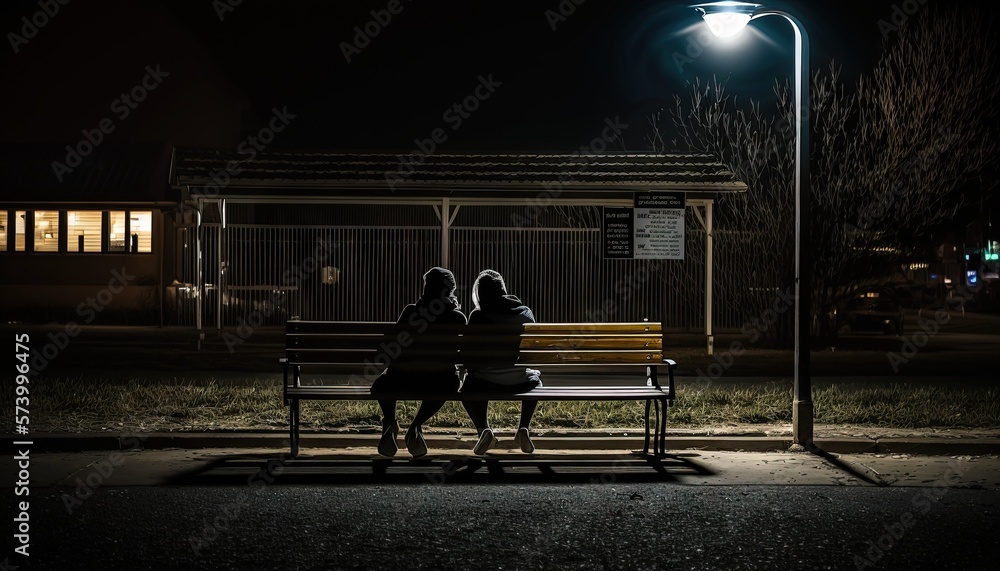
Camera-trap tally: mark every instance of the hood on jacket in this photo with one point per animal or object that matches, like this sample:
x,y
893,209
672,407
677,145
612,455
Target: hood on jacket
x,y
506,309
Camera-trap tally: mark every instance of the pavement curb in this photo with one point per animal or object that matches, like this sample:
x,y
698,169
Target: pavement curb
x,y
164,440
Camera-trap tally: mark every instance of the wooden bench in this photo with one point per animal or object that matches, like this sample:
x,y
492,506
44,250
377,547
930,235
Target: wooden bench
x,y
588,351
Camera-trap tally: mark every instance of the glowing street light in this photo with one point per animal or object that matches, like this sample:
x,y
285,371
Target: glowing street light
x,y
726,19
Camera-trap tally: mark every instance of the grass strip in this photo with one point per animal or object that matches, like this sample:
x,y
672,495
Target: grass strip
x,y
88,404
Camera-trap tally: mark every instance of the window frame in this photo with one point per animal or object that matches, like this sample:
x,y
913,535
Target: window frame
x,y
8,245
71,245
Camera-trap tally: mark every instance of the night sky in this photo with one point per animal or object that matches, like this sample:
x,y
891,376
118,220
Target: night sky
x,y
605,59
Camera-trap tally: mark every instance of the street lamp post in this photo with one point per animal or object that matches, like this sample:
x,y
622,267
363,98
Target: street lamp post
x,y
728,19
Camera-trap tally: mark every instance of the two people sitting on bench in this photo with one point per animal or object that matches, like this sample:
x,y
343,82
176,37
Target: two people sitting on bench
x,y
499,373
437,306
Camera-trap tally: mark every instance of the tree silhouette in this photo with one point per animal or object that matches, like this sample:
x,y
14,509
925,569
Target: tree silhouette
x,y
892,160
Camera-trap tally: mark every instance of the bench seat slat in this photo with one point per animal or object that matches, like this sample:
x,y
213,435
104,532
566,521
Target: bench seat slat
x,y
544,393
526,357
590,368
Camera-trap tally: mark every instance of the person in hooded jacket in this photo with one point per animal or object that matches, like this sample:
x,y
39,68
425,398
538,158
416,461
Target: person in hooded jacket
x,y
437,306
499,373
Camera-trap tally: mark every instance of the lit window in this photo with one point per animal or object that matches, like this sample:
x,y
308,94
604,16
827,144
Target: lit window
x,y
116,231
3,230
141,228
84,231
19,226
46,231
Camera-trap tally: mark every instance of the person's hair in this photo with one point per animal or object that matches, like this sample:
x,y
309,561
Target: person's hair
x,y
488,288
439,283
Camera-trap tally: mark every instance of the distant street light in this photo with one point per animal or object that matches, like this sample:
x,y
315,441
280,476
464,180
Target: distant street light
x,y
726,19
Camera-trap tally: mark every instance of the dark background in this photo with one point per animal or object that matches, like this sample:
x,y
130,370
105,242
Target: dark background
x,y
607,59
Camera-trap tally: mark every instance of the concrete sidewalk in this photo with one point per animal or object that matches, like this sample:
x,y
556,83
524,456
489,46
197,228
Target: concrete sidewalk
x,y
561,455
86,471
451,440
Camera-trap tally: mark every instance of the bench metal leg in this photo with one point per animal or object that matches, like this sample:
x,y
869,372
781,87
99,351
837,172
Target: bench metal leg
x,y
663,428
293,420
656,424
645,446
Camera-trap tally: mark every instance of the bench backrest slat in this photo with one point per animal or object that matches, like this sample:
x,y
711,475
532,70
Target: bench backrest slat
x,y
346,327
587,357
334,342
377,327
372,341
635,328
361,357
346,343
586,342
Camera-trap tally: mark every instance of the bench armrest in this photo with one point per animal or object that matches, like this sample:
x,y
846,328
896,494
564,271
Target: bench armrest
x,y
671,365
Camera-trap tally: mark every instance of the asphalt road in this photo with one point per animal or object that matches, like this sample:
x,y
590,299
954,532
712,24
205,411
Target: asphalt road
x,y
615,525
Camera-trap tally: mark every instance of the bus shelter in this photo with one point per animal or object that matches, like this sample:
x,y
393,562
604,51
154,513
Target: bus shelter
x,y
345,236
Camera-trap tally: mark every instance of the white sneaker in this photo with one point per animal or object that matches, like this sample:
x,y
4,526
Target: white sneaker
x,y
486,440
387,444
524,441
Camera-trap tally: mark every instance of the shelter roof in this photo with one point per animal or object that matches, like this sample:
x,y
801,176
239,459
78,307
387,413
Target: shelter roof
x,y
436,175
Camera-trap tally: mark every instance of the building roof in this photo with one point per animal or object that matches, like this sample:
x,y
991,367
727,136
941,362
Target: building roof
x,y
446,174
110,173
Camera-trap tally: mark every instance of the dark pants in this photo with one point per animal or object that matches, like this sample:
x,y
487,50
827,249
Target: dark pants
x,y
415,381
478,410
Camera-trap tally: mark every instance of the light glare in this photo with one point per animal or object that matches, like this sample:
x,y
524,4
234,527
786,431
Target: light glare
x,y
726,24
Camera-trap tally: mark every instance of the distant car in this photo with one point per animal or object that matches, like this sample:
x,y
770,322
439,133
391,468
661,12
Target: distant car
x,y
874,309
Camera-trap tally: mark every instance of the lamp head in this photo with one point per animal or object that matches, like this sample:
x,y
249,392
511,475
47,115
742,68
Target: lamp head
x,y
726,19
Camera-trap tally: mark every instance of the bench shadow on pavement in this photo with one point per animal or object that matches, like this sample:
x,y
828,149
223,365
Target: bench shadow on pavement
x,y
337,469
